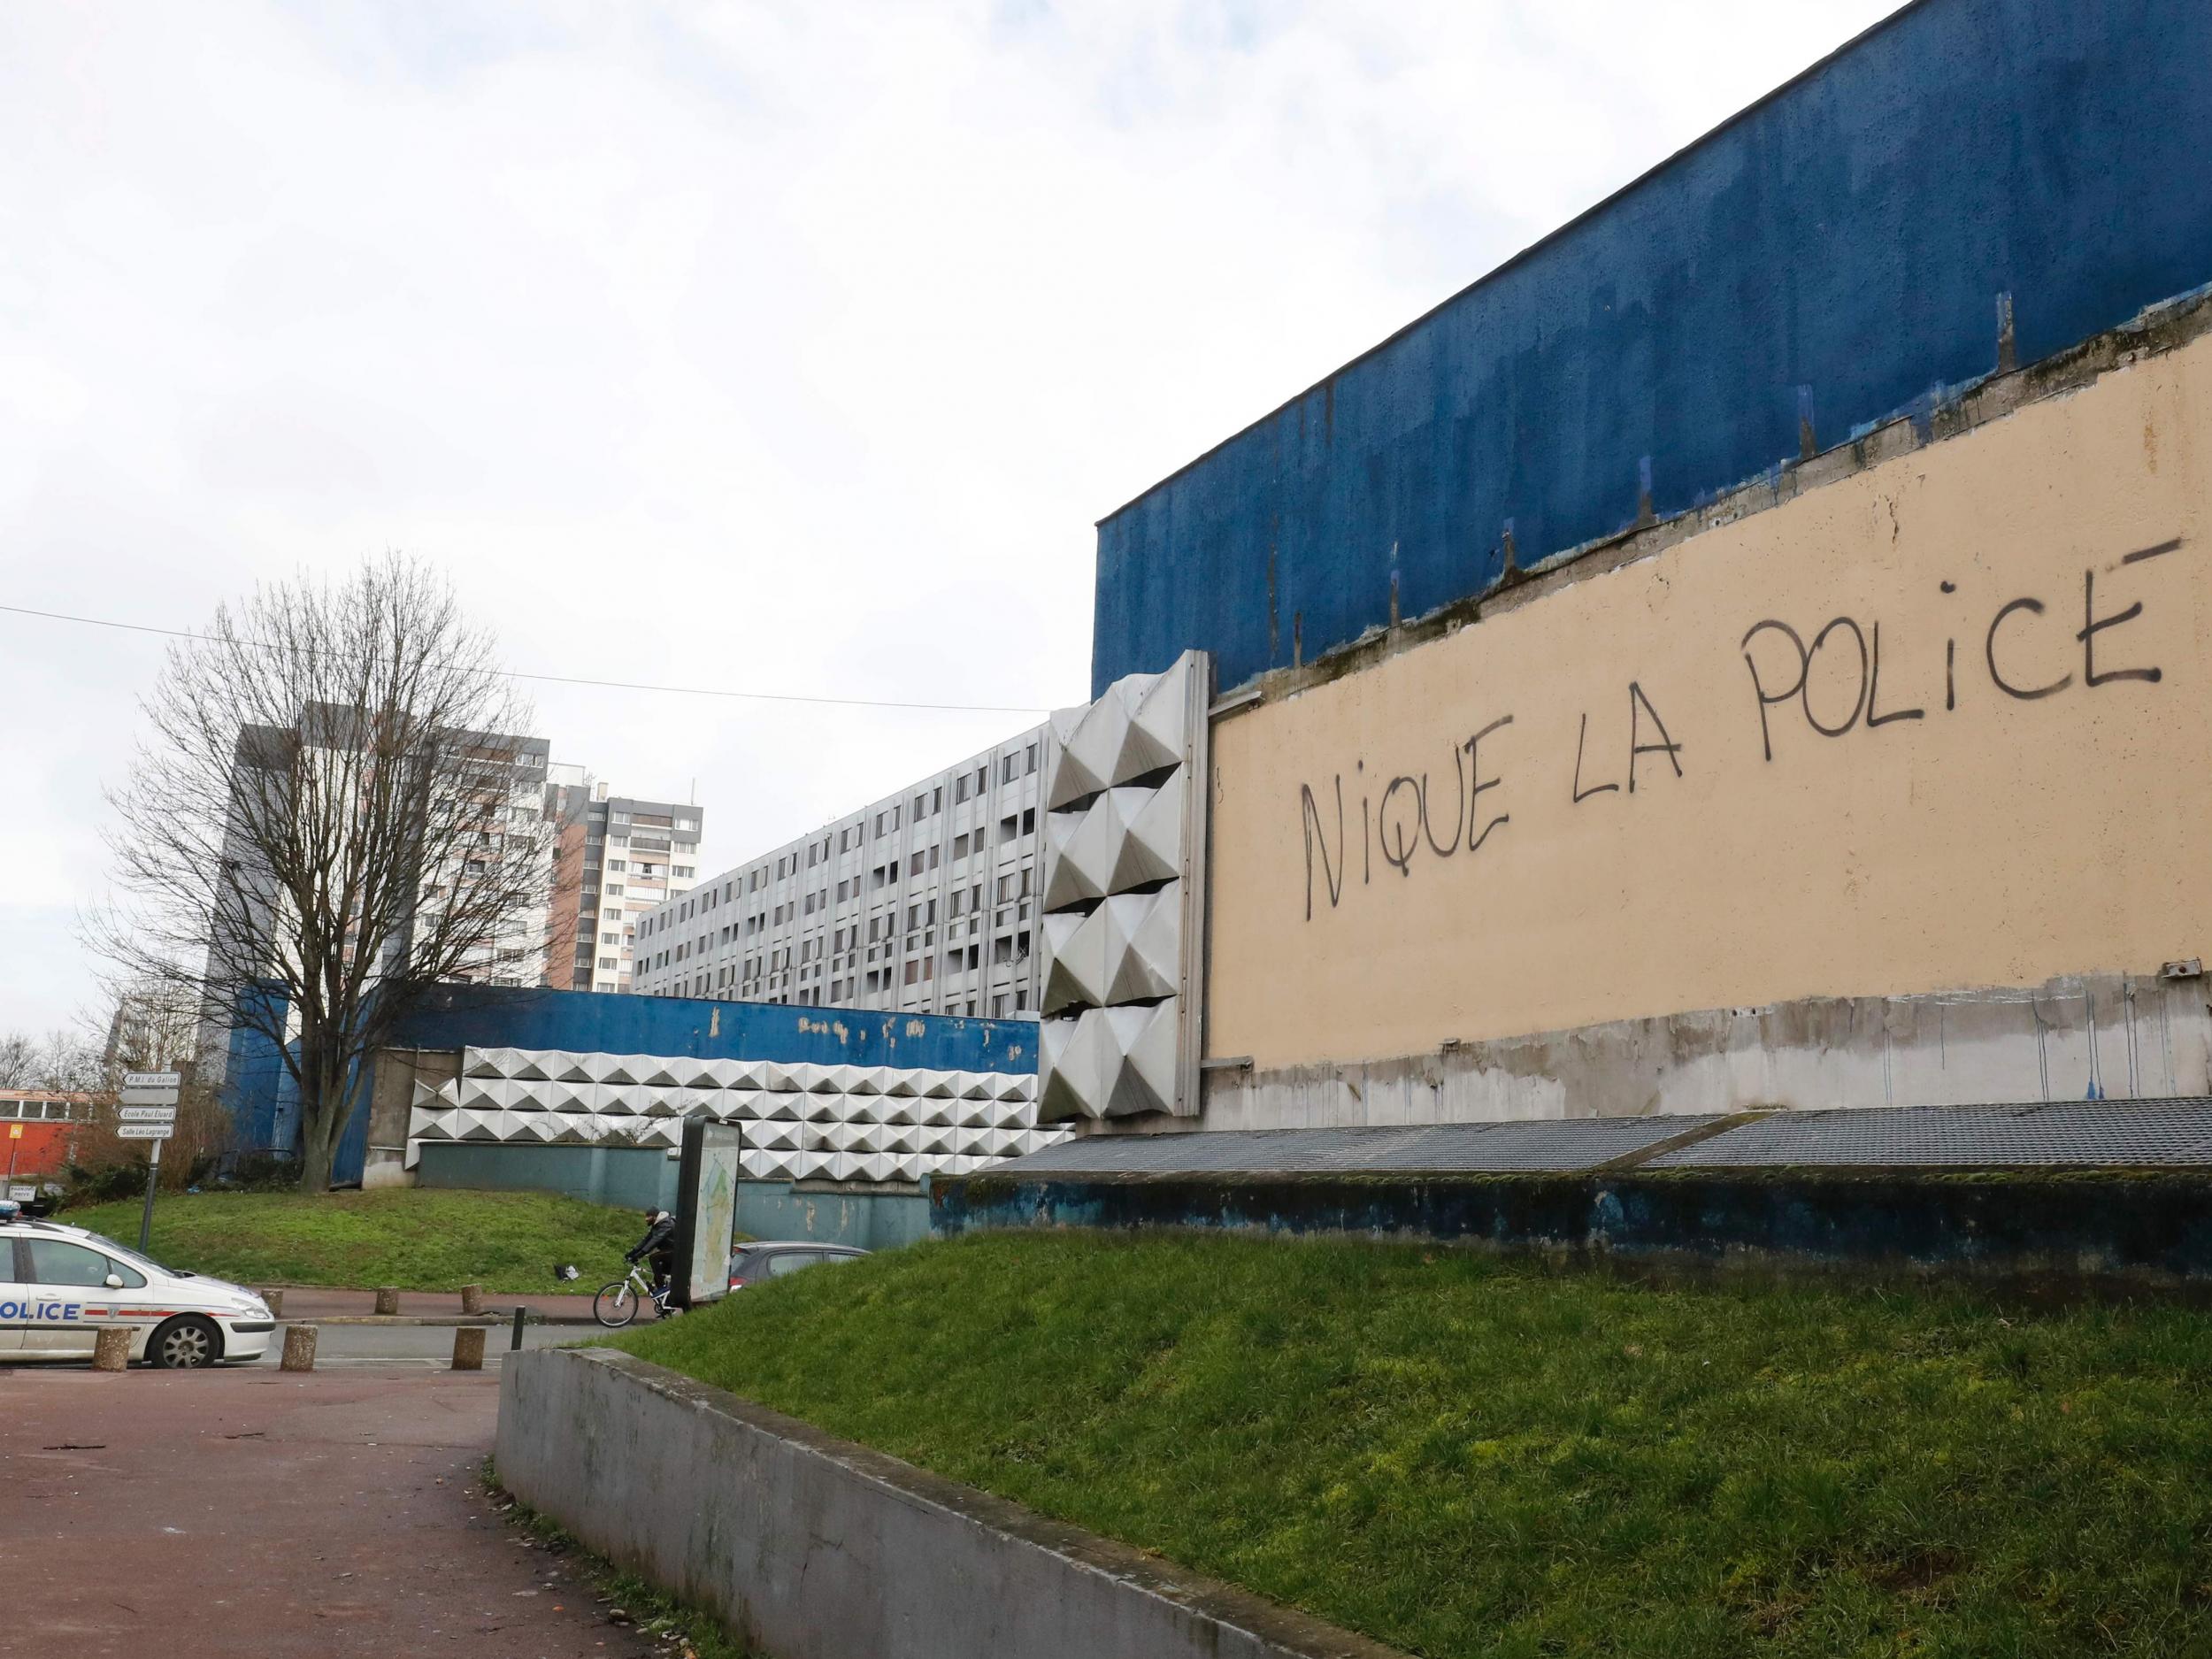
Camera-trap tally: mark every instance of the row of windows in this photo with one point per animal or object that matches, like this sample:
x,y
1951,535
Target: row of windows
x,y
842,993
35,1110
820,899
1011,766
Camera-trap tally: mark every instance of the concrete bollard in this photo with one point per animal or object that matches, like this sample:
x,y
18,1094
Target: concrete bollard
x,y
472,1299
387,1300
111,1348
275,1299
468,1347
299,1348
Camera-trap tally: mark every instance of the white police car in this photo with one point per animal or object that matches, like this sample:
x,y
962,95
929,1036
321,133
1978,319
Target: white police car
x,y
58,1284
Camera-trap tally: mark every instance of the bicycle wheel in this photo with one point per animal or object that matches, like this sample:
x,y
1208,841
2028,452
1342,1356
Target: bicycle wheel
x,y
615,1305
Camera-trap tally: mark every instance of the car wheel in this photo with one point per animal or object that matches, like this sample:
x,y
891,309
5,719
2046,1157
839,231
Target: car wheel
x,y
187,1343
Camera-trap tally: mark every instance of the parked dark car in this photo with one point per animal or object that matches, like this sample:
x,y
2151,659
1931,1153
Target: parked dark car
x,y
753,1262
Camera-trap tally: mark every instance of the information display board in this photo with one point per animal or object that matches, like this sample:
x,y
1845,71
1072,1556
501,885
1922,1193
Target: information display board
x,y
706,1210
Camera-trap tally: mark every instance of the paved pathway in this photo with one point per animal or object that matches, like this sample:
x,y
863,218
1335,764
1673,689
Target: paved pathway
x,y
208,1515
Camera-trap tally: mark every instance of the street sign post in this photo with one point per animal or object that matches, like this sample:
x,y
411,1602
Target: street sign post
x,y
149,1112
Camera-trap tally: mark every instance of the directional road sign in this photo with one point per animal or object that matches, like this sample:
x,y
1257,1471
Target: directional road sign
x,y
145,1132
155,1094
148,1114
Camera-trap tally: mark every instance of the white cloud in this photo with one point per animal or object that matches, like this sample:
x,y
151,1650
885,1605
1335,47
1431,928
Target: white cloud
x,y
775,346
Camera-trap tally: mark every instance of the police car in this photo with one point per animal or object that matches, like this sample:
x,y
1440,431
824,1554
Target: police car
x,y
58,1284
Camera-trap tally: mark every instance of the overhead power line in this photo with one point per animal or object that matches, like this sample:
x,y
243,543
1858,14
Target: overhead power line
x,y
572,680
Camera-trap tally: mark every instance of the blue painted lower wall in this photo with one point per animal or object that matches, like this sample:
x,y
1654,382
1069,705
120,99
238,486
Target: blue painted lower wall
x,y
873,1221
628,1178
632,1177
2152,1230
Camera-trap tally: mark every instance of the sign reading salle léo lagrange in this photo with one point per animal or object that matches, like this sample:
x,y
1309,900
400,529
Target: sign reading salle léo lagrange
x,y
1940,725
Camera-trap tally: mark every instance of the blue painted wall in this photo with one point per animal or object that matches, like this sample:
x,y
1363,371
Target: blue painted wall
x,y
631,1178
627,1177
1834,252
586,1022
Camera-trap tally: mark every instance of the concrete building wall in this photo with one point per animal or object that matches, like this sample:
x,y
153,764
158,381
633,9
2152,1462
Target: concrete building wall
x,y
1939,725
618,857
923,901
1974,183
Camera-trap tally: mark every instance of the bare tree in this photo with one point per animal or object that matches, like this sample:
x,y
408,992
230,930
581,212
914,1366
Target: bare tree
x,y
59,1061
332,812
18,1061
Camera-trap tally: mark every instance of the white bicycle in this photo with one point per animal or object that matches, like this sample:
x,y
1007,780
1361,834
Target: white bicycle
x,y
617,1304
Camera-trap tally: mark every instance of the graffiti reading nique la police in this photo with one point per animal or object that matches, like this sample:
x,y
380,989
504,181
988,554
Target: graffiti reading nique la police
x,y
42,1311
1388,819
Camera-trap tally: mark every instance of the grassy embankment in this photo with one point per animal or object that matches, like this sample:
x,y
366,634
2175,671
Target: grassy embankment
x,y
1462,1456
412,1238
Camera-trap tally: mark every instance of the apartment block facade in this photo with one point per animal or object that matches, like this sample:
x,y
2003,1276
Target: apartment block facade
x,y
924,901
616,858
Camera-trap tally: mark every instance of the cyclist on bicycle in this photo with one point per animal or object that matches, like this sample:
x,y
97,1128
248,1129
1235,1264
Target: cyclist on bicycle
x,y
659,1243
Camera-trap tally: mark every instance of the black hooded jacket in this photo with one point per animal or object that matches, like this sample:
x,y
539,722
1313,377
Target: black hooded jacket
x,y
659,1242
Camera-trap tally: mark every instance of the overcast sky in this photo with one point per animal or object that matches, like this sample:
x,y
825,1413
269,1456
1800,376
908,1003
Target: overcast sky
x,y
781,347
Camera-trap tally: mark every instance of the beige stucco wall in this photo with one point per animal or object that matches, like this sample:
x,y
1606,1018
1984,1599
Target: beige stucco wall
x,y
1993,840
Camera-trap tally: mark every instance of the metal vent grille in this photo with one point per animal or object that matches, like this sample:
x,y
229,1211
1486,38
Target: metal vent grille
x,y
2128,1133
1580,1143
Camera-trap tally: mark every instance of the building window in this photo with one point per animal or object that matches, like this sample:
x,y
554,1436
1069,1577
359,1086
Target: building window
x,y
617,864
608,963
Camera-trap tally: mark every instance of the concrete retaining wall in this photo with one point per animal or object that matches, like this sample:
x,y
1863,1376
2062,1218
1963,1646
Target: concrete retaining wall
x,y
812,1547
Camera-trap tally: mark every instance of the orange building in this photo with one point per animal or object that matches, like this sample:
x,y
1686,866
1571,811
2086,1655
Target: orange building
x,y
39,1130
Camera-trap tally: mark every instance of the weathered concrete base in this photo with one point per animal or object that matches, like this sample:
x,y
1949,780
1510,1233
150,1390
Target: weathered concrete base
x,y
812,1547
2107,1037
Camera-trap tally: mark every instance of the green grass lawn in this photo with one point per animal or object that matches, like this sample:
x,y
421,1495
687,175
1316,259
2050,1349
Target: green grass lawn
x,y
414,1237
1462,1457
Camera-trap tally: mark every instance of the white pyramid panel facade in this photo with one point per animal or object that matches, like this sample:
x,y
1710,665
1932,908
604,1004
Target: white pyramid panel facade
x,y
801,1122
1123,840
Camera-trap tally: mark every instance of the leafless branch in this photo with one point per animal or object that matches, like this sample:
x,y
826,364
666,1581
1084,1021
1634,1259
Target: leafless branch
x,y
331,809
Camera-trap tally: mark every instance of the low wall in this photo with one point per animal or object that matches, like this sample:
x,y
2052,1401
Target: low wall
x,y
871,1220
2153,1231
631,1178
812,1547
